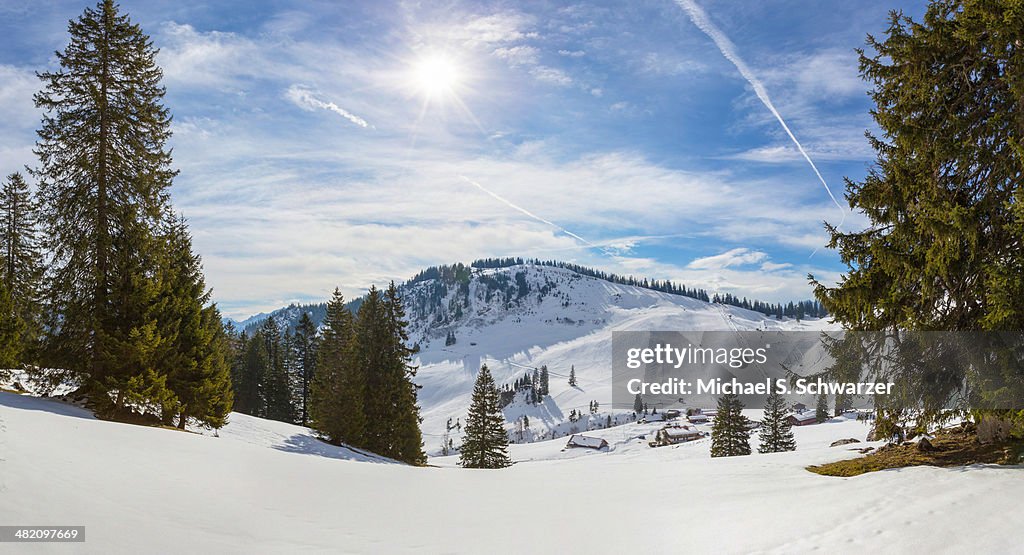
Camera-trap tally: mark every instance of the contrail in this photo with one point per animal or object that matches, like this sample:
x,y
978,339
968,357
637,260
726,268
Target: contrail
x,y
508,203
728,49
305,99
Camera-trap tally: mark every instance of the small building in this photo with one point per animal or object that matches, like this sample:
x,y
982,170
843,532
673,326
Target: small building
x,y
697,418
802,419
577,440
799,408
652,417
753,424
710,413
671,435
672,414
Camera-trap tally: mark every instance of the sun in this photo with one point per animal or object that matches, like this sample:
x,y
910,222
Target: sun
x,y
436,76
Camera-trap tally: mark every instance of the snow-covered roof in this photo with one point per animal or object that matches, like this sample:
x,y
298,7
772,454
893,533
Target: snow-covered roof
x,y
680,432
585,441
803,416
697,418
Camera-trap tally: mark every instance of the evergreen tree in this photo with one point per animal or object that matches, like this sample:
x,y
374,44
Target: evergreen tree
x,y
545,388
21,270
843,403
197,353
254,361
730,435
408,441
776,433
942,249
638,404
572,376
276,391
338,388
392,415
103,177
821,410
305,346
10,332
486,442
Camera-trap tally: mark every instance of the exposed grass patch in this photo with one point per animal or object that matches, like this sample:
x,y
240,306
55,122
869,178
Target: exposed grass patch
x,y
951,448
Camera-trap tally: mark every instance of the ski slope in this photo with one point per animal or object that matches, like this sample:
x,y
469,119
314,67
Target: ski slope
x,y
252,490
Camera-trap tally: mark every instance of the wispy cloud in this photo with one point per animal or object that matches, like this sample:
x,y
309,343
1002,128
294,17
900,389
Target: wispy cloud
x,y
728,49
305,98
735,257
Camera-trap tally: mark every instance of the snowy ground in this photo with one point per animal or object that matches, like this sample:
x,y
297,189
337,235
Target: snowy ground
x,y
270,487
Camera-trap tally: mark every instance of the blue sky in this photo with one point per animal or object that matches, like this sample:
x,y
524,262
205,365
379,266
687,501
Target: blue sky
x,y
326,144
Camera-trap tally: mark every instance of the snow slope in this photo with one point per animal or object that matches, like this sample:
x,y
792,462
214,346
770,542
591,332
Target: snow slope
x,y
566,320
146,490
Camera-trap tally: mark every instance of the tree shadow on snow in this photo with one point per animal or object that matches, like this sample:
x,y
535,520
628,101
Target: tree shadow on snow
x,y
309,445
43,404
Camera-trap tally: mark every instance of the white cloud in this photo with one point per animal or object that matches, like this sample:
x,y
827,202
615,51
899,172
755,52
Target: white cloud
x,y
214,58
18,118
669,65
735,257
518,55
307,100
572,53
528,57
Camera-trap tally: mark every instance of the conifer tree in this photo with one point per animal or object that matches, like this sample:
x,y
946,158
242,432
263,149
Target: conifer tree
x,y
10,332
103,175
776,433
486,443
821,409
638,404
277,396
545,388
392,416
942,249
338,388
408,441
197,360
21,269
730,435
253,362
305,345
572,376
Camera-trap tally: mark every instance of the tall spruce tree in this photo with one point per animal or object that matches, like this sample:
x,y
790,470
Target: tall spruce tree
x,y
305,351
485,444
276,386
944,246
338,388
776,434
407,438
103,175
250,376
197,354
21,271
730,433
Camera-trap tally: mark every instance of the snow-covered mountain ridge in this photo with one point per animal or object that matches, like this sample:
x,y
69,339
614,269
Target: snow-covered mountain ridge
x,y
518,318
